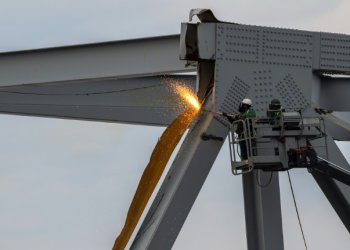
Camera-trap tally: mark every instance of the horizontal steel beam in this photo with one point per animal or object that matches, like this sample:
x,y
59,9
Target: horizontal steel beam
x,y
129,58
144,100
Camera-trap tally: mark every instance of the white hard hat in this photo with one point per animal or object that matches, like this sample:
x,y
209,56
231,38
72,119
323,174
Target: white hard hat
x,y
247,101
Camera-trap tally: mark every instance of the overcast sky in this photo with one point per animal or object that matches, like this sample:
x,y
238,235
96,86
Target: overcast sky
x,y
68,184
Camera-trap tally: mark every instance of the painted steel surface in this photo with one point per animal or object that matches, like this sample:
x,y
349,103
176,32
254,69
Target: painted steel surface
x,y
152,173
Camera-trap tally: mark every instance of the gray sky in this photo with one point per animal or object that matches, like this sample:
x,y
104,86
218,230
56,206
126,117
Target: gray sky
x,y
68,184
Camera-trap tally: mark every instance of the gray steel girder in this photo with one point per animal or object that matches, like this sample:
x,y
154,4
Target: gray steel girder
x,y
181,186
335,93
337,125
128,58
145,100
337,193
335,196
264,63
263,216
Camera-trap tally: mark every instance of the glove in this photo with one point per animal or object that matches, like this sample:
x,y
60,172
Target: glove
x,y
237,117
230,118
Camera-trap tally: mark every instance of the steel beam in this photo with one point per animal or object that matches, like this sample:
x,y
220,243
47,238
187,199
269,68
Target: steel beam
x,y
263,214
145,100
337,125
128,58
181,186
334,94
335,196
337,193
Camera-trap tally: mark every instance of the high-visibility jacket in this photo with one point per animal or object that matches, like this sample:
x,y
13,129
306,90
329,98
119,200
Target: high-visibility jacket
x,y
248,114
276,113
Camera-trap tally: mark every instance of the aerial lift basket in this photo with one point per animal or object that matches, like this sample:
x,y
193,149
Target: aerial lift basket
x,y
240,143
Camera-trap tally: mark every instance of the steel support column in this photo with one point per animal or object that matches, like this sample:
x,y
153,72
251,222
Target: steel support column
x,y
181,185
263,215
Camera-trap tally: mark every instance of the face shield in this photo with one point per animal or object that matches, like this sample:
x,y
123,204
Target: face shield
x,y
243,107
275,106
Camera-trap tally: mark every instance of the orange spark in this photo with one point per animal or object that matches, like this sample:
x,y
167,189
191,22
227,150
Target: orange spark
x,y
188,96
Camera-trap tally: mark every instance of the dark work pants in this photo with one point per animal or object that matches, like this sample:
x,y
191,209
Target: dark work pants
x,y
244,146
244,149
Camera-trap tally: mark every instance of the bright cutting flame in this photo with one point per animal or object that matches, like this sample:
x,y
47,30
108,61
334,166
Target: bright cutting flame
x,y
159,159
188,96
192,100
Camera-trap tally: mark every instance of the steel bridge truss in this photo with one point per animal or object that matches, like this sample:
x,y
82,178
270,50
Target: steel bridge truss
x,y
124,82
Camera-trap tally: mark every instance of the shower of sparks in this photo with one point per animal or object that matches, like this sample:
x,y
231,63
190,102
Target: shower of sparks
x,y
159,159
188,95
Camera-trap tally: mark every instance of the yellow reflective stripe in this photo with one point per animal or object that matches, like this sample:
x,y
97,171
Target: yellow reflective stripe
x,y
153,171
